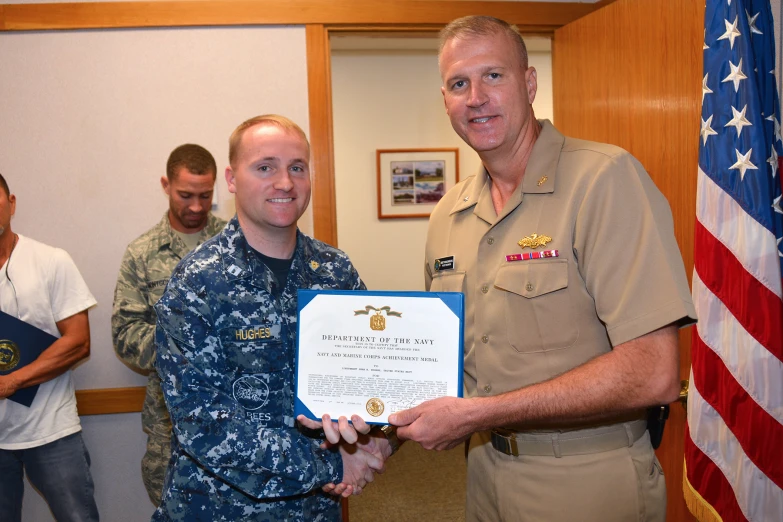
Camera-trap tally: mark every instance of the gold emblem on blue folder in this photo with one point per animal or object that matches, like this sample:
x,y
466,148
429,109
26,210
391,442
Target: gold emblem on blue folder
x,y
9,355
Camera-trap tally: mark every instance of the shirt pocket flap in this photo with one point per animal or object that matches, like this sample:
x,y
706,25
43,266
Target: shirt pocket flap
x,y
532,279
447,282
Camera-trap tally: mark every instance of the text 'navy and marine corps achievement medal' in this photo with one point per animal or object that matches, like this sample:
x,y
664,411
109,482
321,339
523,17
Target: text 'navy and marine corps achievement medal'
x,y
375,407
377,321
9,355
534,241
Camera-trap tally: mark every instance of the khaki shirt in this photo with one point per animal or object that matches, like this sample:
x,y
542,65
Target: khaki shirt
x,y
144,272
618,274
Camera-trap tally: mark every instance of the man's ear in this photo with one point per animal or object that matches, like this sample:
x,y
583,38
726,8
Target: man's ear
x,y
443,92
531,84
230,180
164,182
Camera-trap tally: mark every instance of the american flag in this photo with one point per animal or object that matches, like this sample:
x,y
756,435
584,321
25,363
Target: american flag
x,y
734,468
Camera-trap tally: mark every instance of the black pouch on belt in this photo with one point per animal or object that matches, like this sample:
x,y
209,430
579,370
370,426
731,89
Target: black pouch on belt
x,y
656,420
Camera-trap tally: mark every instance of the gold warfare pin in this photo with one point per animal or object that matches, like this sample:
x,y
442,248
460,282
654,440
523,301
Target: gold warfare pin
x,y
534,241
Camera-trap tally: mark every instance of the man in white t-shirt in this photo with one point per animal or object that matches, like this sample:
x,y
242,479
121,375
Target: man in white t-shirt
x,y
41,285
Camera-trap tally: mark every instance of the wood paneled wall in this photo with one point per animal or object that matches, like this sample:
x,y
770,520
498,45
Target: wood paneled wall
x,y
630,74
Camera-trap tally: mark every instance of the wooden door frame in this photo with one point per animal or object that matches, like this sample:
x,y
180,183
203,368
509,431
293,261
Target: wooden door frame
x,y
320,19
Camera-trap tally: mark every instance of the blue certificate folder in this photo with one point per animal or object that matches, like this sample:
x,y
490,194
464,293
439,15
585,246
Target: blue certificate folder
x,y
30,342
455,301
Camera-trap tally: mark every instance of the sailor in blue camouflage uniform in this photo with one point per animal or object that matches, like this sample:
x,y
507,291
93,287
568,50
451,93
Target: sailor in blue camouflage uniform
x,y
225,341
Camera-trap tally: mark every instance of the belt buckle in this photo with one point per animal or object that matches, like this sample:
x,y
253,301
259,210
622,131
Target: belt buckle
x,y
510,440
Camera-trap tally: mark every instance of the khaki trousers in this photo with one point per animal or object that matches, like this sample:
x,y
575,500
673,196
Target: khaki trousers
x,y
620,485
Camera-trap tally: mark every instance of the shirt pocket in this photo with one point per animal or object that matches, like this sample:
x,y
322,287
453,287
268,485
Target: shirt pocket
x,y
537,305
260,374
155,289
447,281
266,398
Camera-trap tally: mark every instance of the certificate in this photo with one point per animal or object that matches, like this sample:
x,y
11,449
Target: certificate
x,y
376,353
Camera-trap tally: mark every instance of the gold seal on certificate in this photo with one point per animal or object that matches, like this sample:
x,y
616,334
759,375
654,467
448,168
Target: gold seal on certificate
x,y
9,355
375,407
408,352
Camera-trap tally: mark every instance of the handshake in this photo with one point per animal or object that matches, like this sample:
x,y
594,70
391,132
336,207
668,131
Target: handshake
x,y
437,424
363,448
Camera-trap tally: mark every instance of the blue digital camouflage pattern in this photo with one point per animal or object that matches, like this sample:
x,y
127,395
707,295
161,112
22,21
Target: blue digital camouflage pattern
x,y
225,353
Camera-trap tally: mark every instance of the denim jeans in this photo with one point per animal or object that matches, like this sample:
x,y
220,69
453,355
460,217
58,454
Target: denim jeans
x,y
60,471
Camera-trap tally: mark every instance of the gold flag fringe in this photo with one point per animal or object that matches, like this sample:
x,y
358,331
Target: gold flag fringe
x,y
700,508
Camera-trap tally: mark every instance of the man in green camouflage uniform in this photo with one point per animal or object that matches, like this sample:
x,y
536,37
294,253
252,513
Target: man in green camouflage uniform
x,y
226,343
144,272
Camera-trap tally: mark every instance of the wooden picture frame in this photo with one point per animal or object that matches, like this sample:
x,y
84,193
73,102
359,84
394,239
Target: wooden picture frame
x,y
412,181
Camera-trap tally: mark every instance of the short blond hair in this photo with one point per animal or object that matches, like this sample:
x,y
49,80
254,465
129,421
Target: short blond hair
x,y
265,119
472,26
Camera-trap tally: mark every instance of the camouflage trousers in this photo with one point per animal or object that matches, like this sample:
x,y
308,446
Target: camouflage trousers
x,y
154,465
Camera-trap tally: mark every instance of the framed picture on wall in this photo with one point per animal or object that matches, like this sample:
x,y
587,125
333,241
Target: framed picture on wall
x,y
412,181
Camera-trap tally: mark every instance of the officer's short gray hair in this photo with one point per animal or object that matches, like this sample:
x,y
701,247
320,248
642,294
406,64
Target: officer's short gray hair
x,y
472,26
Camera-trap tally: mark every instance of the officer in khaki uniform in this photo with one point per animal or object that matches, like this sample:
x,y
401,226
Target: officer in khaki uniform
x,y
574,288
144,272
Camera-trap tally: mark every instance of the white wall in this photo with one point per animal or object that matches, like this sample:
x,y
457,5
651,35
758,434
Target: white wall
x,y
387,100
88,120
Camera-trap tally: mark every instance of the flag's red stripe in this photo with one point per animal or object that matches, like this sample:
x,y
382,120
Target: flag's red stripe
x,y
757,431
709,481
756,308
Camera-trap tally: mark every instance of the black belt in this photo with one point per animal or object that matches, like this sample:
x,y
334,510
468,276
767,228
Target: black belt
x,y
558,444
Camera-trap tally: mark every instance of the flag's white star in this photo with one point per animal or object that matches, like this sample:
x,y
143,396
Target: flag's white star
x,y
736,75
775,121
704,88
773,162
780,254
706,129
752,22
743,163
777,208
739,120
731,32
705,40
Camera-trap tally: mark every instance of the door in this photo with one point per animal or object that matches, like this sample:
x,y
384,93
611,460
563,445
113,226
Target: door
x,y
630,74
